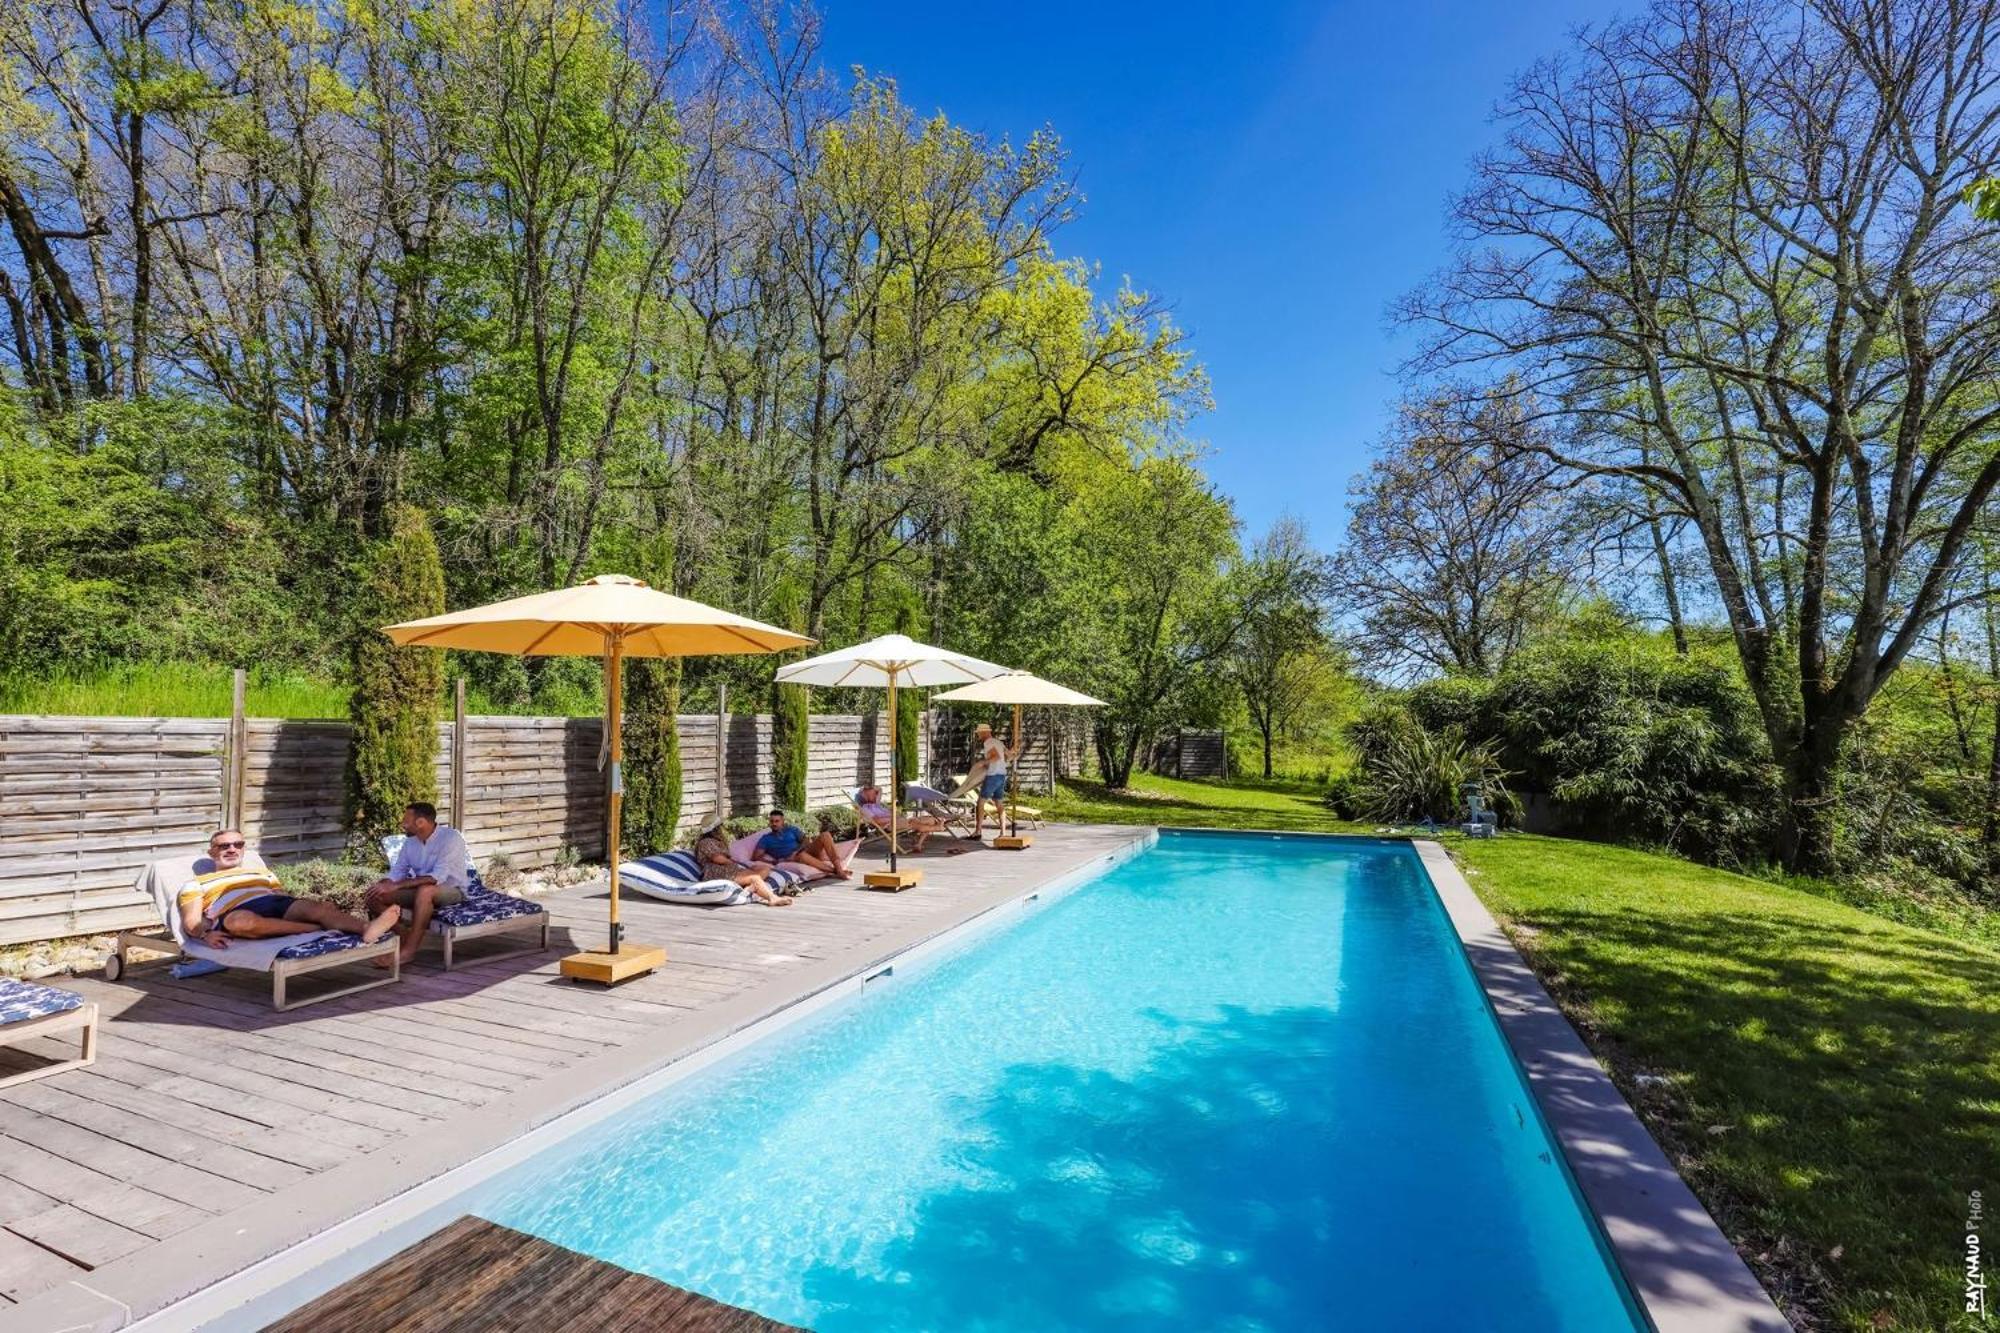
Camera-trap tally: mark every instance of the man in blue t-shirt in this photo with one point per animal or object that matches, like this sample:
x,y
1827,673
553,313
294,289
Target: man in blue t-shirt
x,y
787,842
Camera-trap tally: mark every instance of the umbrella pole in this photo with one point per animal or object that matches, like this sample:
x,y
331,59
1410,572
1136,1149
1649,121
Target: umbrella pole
x,y
893,791
614,709
1014,780
621,961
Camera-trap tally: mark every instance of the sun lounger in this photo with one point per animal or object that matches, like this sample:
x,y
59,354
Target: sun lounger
x,y
956,813
484,912
28,1010
284,957
870,828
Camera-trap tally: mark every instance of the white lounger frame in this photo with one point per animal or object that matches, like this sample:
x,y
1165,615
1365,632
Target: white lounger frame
x,y
282,970
505,925
48,1025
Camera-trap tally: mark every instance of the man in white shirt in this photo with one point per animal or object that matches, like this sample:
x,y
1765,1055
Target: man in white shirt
x,y
993,786
431,870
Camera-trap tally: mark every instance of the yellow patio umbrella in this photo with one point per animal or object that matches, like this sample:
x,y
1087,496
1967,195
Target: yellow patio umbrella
x,y
1017,688
612,617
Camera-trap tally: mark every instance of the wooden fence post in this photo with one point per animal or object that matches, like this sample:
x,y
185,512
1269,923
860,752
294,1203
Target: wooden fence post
x,y
722,748
239,749
458,753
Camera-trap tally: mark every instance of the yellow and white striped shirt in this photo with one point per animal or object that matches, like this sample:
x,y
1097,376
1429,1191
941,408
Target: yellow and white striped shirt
x,y
223,891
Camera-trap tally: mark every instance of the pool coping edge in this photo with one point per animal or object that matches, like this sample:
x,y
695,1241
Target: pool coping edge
x,y
1681,1269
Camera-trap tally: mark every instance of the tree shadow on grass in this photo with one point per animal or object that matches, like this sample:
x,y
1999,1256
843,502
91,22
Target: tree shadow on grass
x,y
1832,1090
1228,1185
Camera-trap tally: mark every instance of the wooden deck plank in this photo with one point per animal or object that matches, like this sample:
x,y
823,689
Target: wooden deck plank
x,y
84,1239
478,1275
26,1268
95,1192
221,1120
198,1188
150,1134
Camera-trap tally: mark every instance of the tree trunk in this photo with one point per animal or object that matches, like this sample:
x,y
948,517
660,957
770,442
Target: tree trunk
x,y
1812,795
1265,727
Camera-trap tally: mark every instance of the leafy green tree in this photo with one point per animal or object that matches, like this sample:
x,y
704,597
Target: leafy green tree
x,y
392,758
1796,364
652,754
1283,645
791,715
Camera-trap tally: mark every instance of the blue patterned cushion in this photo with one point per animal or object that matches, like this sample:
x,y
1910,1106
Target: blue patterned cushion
x,y
783,882
23,1000
481,906
333,941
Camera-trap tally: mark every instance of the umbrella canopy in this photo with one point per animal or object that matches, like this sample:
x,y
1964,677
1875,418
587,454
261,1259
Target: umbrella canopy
x,y
578,621
892,660
1018,687
611,616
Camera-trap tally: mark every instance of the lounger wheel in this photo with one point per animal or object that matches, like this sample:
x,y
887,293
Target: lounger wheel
x,y
114,965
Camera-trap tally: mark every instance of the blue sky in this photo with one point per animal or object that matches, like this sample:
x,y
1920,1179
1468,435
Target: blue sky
x,y
1277,171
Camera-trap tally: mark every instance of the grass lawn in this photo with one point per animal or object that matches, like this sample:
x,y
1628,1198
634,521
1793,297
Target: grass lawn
x,y
1280,805
1828,1081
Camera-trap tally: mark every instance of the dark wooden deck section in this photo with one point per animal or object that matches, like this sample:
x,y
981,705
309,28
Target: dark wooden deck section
x,y
477,1276
206,1108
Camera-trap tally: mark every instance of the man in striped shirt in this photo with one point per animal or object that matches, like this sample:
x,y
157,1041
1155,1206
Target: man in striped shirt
x,y
246,903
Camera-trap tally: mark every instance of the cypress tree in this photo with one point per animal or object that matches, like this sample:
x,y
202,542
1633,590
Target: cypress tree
x,y
909,709
652,754
392,759
791,714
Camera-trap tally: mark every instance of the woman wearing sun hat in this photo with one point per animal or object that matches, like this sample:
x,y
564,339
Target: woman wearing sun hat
x,y
712,854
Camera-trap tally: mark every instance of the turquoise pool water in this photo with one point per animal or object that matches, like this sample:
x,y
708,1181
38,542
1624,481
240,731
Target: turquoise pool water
x,y
1238,1083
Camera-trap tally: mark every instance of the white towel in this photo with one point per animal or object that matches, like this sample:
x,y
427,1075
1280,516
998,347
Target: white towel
x,y
162,880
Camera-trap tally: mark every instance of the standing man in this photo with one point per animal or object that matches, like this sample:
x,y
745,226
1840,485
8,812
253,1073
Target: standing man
x,y
432,869
992,787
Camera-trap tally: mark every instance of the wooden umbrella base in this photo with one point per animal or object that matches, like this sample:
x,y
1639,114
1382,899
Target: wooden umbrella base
x,y
1014,842
631,960
892,881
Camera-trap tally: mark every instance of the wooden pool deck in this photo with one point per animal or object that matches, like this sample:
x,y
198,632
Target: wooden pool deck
x,y
476,1276
213,1132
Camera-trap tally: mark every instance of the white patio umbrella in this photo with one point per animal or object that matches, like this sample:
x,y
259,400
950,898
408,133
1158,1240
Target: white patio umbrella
x,y
892,662
613,617
1018,688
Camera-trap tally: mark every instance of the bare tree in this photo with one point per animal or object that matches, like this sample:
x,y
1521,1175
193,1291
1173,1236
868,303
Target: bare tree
x,y
1459,541
1727,243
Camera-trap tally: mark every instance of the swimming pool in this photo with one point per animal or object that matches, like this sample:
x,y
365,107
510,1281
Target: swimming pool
x,y
1239,1082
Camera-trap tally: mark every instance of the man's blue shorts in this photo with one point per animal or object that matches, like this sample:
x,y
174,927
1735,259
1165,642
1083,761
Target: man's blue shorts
x,y
273,905
993,786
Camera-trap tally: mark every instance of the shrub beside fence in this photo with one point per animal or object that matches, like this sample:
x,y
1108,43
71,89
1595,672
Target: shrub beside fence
x,y
86,802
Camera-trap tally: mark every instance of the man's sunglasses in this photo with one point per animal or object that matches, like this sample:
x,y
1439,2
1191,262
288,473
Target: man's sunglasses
x,y
236,846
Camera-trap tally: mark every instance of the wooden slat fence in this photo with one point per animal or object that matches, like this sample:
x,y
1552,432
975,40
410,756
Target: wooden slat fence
x,y
87,802
84,802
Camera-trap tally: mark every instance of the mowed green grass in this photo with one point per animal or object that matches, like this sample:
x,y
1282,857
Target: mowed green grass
x,y
1827,1080
1278,805
1832,1079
